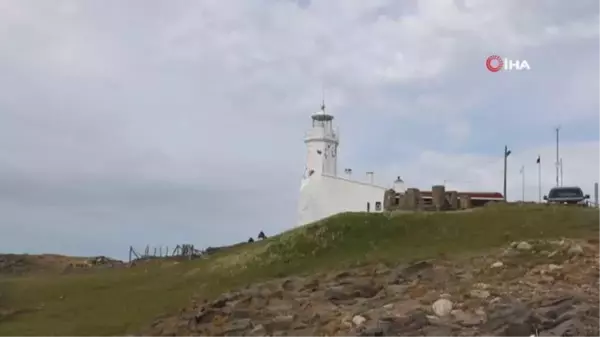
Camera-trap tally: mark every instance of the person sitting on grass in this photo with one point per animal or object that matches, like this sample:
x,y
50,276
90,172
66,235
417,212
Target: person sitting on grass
x,y
262,235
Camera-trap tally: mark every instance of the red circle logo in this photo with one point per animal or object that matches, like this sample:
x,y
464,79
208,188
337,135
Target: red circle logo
x,y
494,63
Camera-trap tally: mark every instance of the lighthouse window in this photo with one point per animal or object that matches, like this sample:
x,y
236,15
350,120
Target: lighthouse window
x,y
378,206
310,173
319,151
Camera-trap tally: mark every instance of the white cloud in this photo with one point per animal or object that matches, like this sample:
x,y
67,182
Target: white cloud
x,y
188,117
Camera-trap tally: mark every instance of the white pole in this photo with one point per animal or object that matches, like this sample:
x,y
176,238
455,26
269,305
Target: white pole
x,y
561,172
539,180
596,194
523,182
557,163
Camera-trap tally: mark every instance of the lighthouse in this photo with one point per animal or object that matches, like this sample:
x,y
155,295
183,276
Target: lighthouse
x,y
322,192
321,146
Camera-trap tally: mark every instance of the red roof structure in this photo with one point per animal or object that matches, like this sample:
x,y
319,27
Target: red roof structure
x,y
473,195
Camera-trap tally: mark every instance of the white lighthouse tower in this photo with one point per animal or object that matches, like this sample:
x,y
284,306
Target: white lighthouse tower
x,y
321,146
322,192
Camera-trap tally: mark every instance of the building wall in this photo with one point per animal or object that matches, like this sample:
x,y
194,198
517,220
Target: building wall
x,y
322,196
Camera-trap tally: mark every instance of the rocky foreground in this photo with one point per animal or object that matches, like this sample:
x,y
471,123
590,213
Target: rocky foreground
x,y
545,288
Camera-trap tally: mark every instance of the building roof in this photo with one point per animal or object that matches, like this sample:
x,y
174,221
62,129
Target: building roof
x,y
473,195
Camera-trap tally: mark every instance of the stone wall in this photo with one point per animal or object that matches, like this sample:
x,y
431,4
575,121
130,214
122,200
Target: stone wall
x,y
441,200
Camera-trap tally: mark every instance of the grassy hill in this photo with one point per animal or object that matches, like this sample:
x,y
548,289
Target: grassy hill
x,y
123,301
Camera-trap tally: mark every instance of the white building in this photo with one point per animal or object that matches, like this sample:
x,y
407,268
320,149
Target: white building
x,y
322,192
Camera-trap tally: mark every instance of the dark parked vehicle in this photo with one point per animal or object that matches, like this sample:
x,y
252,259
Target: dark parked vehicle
x,y
567,195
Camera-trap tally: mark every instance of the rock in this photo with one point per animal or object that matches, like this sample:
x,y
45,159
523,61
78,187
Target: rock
x,y
570,327
477,293
418,270
466,319
446,296
523,245
442,330
280,323
381,269
554,309
238,325
373,331
497,264
364,288
310,286
550,296
404,325
395,289
354,289
442,307
337,293
575,250
553,267
358,320
518,329
482,286
240,313
259,330
507,319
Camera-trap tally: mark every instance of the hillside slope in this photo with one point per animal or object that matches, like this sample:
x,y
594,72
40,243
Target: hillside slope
x,y
126,301
22,264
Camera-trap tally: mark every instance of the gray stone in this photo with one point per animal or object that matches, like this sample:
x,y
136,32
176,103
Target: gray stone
x,y
238,325
497,264
523,245
373,331
571,327
502,314
438,331
442,307
337,293
477,293
466,319
279,323
358,320
518,329
259,330
575,250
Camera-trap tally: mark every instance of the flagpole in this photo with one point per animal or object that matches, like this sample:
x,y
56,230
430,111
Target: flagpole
x,y
539,162
561,173
557,157
506,154
523,183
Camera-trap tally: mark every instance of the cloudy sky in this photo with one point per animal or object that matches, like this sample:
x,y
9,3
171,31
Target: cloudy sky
x,y
164,122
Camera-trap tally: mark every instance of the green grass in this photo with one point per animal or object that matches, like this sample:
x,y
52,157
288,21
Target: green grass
x,y
123,301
